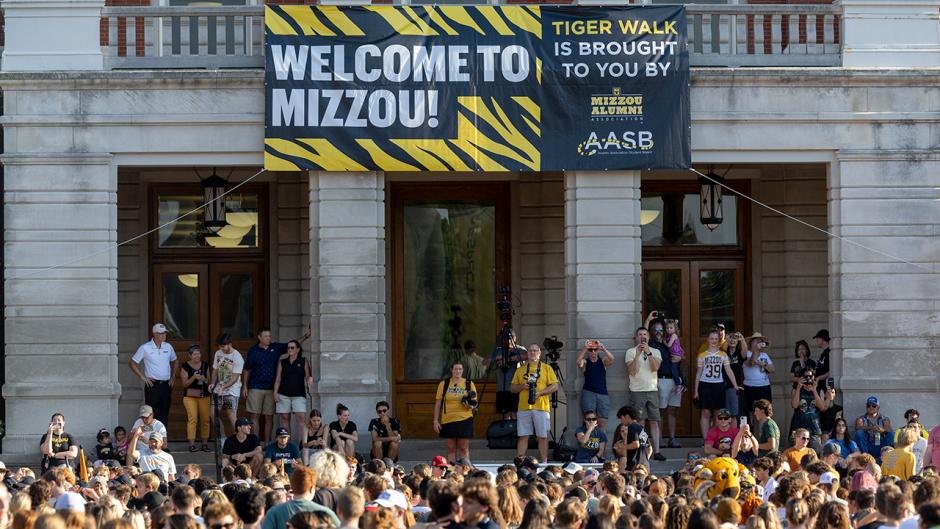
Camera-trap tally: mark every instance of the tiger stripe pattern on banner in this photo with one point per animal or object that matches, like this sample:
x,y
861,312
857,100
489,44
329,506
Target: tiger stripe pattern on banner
x,y
476,88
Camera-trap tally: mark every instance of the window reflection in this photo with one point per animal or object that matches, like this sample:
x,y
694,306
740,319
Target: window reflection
x,y
674,219
241,214
717,293
181,306
237,305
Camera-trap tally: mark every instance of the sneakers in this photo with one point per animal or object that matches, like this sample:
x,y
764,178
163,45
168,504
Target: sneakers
x,y
674,444
659,457
662,443
681,389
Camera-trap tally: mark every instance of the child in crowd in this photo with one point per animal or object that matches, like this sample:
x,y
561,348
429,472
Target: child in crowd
x,y
675,353
120,443
105,450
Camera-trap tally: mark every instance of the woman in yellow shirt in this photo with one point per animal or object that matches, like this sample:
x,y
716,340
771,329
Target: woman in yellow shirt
x,y
900,462
458,398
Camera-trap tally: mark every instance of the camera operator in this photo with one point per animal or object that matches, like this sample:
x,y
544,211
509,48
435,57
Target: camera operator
x,y
808,403
456,398
534,384
643,364
506,402
594,393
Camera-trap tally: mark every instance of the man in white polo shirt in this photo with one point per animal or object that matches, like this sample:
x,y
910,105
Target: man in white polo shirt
x,y
160,367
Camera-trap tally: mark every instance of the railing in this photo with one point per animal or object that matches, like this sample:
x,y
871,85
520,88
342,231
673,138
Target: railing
x,y
184,37
232,36
764,35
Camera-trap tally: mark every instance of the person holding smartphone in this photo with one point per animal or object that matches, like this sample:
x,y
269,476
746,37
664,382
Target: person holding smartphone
x,y
58,448
643,363
808,403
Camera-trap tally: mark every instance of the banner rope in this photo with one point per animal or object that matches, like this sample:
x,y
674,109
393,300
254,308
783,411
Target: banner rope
x,y
109,248
742,195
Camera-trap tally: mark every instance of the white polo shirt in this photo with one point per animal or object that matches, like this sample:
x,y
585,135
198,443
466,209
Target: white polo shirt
x,y
156,359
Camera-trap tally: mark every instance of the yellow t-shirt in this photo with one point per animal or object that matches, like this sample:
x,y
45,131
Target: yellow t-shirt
x,y
453,410
546,377
899,463
645,377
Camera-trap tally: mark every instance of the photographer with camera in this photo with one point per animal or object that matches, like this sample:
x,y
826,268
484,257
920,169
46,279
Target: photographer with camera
x,y
643,364
594,392
506,402
808,403
534,384
757,370
456,400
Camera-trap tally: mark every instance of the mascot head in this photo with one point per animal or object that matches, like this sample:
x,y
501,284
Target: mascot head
x,y
720,476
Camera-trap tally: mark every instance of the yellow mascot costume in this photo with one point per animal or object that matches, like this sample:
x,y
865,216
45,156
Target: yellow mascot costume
x,y
720,476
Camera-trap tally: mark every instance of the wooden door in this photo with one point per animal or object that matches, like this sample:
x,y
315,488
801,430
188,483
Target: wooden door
x,y
449,253
197,302
700,294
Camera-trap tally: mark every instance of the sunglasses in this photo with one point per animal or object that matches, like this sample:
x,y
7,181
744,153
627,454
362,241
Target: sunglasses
x,y
657,330
291,347
384,411
592,349
871,405
226,525
803,438
693,458
724,418
590,418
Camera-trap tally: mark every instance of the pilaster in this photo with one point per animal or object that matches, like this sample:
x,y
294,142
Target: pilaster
x,y
44,35
891,33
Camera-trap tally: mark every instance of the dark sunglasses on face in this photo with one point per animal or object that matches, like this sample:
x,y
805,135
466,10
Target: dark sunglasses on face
x,y
593,349
871,405
803,438
724,418
384,411
589,419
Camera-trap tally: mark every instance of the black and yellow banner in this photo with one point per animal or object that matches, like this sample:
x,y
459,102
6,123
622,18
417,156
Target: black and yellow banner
x,y
476,88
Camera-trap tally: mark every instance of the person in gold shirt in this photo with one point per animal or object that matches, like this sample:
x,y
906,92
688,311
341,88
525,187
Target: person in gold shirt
x,y
458,397
901,461
534,380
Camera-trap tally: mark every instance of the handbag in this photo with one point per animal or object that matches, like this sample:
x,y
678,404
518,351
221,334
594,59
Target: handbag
x,y
563,452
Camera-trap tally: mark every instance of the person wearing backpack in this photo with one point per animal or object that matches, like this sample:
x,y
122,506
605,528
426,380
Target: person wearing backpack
x,y
456,400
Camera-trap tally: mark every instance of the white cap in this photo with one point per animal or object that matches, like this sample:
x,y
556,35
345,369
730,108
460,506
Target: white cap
x,y
392,498
70,501
159,328
572,467
828,478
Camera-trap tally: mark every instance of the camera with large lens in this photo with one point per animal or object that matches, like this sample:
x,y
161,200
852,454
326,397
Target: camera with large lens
x,y
553,348
470,399
504,306
531,393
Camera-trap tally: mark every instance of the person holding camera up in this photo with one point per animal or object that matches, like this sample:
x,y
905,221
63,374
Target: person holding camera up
x,y
456,400
594,395
757,370
643,364
534,381
506,402
808,403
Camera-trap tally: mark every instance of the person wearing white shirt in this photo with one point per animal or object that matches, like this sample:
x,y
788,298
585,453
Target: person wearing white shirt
x,y
148,425
156,459
762,469
226,377
160,367
757,369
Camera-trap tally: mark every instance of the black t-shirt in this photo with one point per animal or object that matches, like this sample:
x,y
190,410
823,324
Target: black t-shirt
x,y
635,432
335,427
234,446
327,497
874,525
737,367
746,458
828,418
664,370
796,367
105,452
197,384
376,426
822,368
60,443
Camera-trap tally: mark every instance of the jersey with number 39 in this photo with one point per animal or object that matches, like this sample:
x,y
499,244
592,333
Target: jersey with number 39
x,y
712,365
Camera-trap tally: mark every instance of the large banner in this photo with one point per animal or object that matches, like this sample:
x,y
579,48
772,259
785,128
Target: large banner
x,y
476,88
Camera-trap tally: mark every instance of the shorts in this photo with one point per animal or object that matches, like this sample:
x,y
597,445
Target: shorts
x,y
533,421
260,401
711,395
595,401
731,401
291,404
458,430
507,402
646,404
229,402
667,394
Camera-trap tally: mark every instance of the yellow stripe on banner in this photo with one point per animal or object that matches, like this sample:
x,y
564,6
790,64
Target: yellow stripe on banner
x,y
341,21
538,69
520,17
326,156
428,30
273,163
459,15
497,21
275,24
503,127
527,103
535,10
439,20
485,162
399,23
307,19
424,151
533,126
384,160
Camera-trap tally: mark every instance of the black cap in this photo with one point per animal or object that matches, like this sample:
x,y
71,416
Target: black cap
x,y
159,473
547,476
26,481
578,492
465,462
124,479
111,463
530,463
281,432
241,421
823,333
153,499
389,464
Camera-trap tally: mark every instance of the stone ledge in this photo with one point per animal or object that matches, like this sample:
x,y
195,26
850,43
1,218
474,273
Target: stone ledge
x,y
893,384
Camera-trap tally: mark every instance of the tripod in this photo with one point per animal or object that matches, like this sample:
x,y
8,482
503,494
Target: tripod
x,y
502,343
555,401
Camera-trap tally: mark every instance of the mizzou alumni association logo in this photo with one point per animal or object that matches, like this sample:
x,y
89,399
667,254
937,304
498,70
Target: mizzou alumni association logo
x,y
616,106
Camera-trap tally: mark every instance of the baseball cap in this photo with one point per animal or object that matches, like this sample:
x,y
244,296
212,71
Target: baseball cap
x,y
146,411
70,501
578,492
465,462
156,435
873,400
152,500
832,449
97,480
243,421
590,475
389,464
728,511
392,498
159,328
828,478
281,432
531,463
571,468
823,333
724,412
657,487
440,461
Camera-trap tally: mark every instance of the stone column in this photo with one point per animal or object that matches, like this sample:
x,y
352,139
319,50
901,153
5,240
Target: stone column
x,y
603,290
890,33
44,35
347,289
61,324
883,312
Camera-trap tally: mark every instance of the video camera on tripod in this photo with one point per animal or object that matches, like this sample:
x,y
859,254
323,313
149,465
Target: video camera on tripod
x,y
553,348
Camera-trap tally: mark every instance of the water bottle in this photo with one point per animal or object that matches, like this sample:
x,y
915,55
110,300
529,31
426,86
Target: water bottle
x,y
878,438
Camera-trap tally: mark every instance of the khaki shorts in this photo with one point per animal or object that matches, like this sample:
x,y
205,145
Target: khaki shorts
x,y
646,404
292,404
260,401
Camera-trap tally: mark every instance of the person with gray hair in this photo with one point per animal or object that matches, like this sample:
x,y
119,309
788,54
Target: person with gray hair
x,y
331,469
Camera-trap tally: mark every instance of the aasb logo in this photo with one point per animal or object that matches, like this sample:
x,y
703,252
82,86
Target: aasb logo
x,y
631,142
